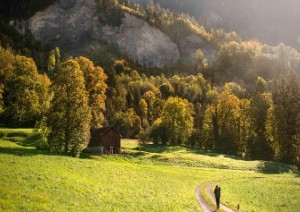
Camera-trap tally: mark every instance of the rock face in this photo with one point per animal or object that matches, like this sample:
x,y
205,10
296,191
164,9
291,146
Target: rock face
x,y
57,26
144,44
73,26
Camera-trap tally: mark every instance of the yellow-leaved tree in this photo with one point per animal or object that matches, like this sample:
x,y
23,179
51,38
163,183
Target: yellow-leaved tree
x,y
96,87
177,119
69,116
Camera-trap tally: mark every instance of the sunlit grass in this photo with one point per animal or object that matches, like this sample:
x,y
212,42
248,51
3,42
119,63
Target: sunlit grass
x,y
138,180
178,155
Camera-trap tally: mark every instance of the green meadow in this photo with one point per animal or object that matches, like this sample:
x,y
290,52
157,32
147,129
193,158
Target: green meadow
x,y
144,178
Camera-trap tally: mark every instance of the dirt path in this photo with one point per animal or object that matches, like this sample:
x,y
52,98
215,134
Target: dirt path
x,y
203,203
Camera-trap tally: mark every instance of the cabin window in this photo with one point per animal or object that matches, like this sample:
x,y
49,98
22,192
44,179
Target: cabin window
x,y
111,150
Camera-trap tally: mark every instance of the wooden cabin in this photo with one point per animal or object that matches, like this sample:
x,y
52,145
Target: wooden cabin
x,y
105,140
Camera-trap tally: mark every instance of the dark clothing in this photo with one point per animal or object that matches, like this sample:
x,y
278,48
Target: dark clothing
x,y
217,193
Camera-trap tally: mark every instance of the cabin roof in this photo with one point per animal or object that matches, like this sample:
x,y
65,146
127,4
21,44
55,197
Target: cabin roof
x,y
101,131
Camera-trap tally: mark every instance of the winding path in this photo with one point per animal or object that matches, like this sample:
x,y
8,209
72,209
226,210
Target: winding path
x,y
203,203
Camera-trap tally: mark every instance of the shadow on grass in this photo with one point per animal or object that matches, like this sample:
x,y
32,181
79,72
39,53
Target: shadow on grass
x,y
28,141
269,167
25,152
153,148
19,151
31,141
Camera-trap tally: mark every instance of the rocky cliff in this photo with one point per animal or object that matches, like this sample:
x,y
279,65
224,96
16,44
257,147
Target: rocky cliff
x,y
73,26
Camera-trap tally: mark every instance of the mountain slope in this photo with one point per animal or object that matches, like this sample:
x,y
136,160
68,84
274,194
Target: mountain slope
x,y
75,27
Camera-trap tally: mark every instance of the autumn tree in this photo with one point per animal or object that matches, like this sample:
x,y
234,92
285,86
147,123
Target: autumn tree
x,y
6,61
226,123
96,87
177,118
228,114
24,93
69,115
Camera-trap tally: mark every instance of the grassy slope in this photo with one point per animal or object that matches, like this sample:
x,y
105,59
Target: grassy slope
x,y
146,179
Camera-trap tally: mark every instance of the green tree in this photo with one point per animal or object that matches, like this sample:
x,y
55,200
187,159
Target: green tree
x,y
144,113
166,90
149,97
210,130
53,62
96,88
283,119
177,118
259,106
157,133
69,115
109,12
128,123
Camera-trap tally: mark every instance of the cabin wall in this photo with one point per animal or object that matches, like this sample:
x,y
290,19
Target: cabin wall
x,y
108,143
111,139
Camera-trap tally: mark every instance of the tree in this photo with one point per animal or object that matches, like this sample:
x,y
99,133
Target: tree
x,y
166,90
235,61
149,98
96,87
69,115
53,62
225,121
283,119
150,10
6,61
23,94
259,106
157,133
128,123
210,131
109,12
178,120
143,108
228,114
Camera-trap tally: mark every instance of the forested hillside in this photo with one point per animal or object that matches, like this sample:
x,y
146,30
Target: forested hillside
x,y
245,102
271,23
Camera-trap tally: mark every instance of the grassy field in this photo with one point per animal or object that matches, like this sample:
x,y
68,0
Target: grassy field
x,y
144,178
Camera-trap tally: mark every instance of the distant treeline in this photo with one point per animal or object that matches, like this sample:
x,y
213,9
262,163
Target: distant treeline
x,y
256,122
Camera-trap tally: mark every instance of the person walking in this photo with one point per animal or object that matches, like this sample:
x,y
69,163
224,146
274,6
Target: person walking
x,y
217,193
